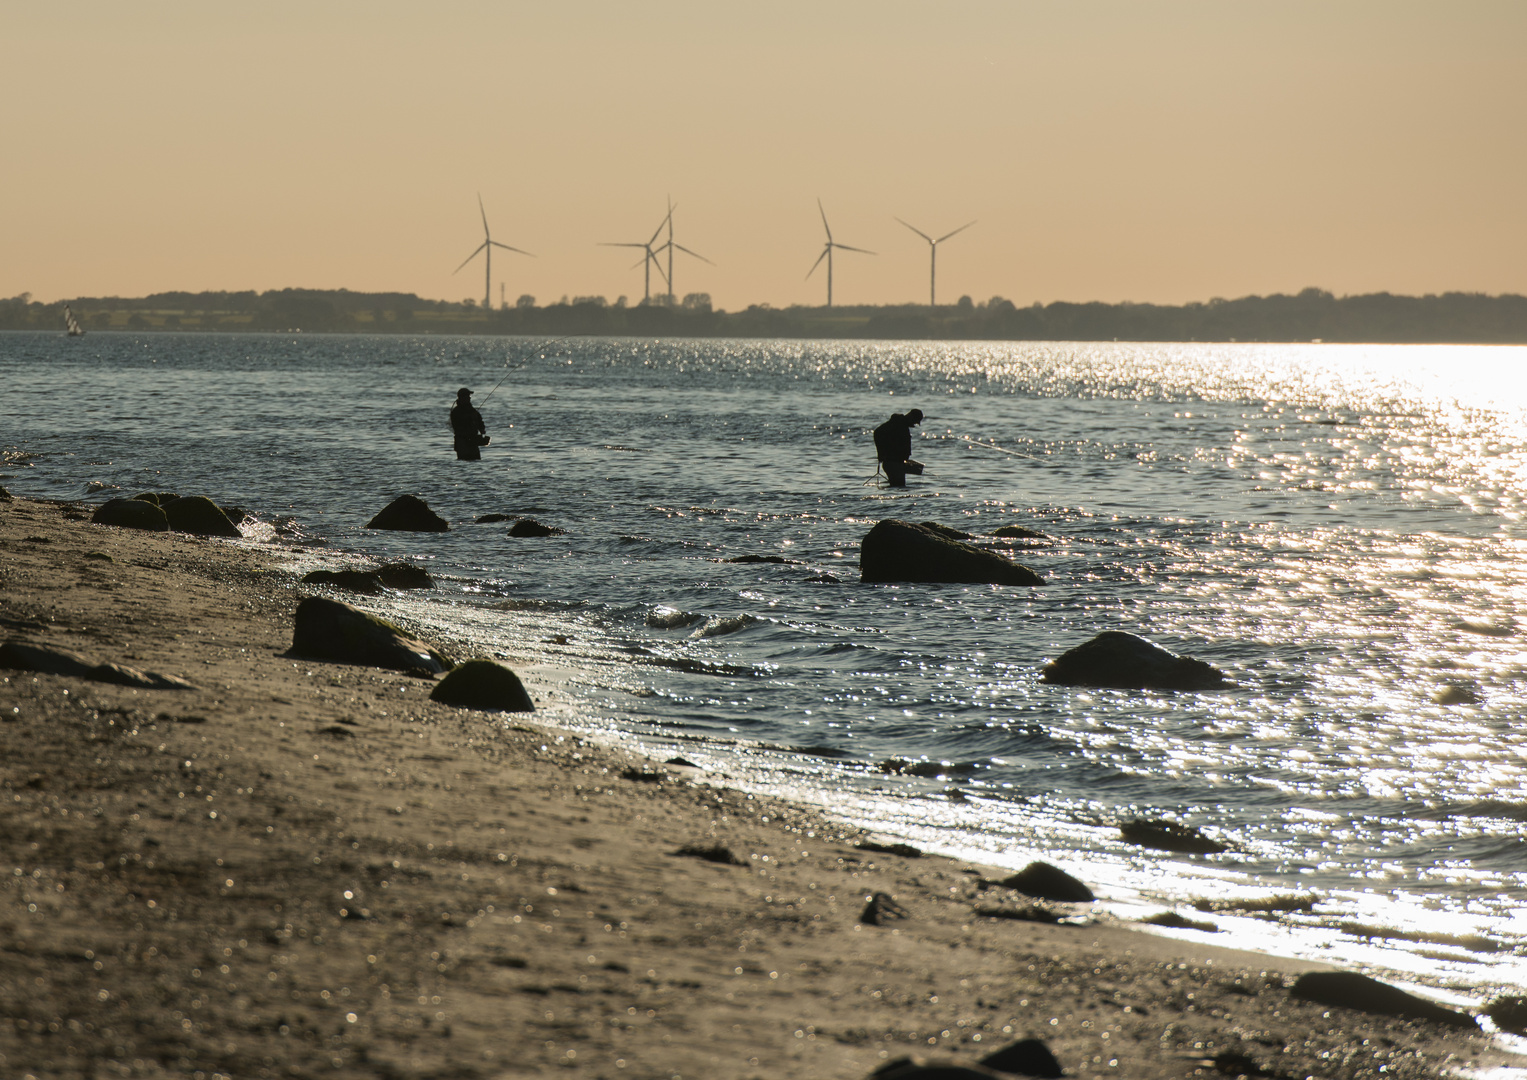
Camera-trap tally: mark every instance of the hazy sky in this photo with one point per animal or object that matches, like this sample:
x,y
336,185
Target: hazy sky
x,y
1132,150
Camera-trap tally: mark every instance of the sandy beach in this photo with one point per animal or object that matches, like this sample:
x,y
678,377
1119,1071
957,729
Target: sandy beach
x,y
304,869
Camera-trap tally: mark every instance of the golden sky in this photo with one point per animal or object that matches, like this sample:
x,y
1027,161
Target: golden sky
x,y
1142,150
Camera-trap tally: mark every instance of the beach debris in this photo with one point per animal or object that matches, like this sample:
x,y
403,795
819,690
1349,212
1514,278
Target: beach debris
x,y
1046,882
199,516
483,684
1026,1057
879,909
530,527
1121,661
408,513
1018,532
356,581
131,514
1509,1013
716,853
402,575
1456,694
1349,990
906,851
1036,913
1169,836
1175,921
325,629
21,656
900,551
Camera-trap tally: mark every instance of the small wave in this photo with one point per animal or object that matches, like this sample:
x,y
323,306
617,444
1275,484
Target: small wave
x,y
527,604
667,618
721,626
100,485
703,667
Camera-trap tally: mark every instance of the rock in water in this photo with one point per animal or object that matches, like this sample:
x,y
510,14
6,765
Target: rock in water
x,y
400,575
1169,836
1049,883
409,513
901,551
532,527
1349,990
131,514
1123,661
357,581
200,516
483,684
326,629
1509,1014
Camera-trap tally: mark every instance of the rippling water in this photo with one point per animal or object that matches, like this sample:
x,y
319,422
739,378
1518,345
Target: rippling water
x,y
1339,527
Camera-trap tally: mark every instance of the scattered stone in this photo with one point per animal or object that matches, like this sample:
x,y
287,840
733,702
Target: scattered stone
x,y
1169,836
20,656
199,516
1123,661
1172,920
408,513
483,684
1036,913
325,629
906,851
1509,1014
400,575
1026,1057
1018,532
1349,990
131,514
716,853
356,581
491,519
880,909
1040,879
98,556
1456,695
901,551
525,527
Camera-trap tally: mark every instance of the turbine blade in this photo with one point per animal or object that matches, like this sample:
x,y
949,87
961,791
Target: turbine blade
x,y
816,264
919,232
696,254
961,229
484,213
862,251
506,247
824,219
611,243
470,257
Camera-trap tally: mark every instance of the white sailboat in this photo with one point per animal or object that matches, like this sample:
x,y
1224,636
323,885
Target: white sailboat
x,y
72,325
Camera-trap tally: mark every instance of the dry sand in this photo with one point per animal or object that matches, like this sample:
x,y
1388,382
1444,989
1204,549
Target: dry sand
x,y
304,869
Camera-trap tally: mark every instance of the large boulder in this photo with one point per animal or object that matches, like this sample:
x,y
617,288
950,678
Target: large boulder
x,y
131,514
1349,990
199,515
326,629
483,684
21,656
408,513
1040,879
902,551
1123,661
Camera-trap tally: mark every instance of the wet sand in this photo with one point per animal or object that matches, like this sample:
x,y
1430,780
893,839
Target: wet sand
x,y
303,869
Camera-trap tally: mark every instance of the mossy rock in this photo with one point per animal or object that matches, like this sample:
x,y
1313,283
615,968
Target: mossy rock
x,y
131,514
200,516
325,629
483,684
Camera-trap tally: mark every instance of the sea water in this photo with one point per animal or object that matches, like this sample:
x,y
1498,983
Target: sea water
x,y
1339,528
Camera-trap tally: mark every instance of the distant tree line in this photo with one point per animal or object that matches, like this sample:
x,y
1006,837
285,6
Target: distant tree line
x,y
1311,315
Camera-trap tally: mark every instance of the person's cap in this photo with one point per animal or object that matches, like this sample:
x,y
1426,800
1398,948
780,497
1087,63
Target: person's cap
x,y
915,416
463,392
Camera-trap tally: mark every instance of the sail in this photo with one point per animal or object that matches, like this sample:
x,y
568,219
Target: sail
x,y
71,324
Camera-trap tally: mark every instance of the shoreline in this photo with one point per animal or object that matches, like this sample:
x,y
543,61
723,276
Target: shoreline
x,y
299,868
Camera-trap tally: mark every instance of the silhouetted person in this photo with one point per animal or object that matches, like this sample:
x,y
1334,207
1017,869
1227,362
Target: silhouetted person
x,y
466,423
893,446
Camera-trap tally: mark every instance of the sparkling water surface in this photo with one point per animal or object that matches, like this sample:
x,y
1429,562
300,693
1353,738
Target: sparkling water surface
x,y
1340,528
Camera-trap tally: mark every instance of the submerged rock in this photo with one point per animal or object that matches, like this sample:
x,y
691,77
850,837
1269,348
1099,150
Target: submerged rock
x,y
532,527
483,684
131,514
21,656
325,629
1047,882
408,513
492,519
356,581
901,551
400,575
1018,532
1121,661
1349,990
1169,836
199,516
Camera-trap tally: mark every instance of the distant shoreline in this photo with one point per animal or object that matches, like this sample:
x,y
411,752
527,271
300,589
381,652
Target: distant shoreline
x,y
1312,315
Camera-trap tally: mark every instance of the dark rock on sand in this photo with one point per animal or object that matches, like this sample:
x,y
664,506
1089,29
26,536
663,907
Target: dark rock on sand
x,y
199,516
526,527
20,656
401,575
483,684
408,513
1049,883
1509,1014
5,496
356,581
906,851
1036,913
881,909
326,629
910,1068
901,551
1026,1057
1123,661
1169,836
131,514
1349,990
716,853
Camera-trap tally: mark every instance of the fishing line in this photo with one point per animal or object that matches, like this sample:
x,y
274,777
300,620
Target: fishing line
x,y
508,370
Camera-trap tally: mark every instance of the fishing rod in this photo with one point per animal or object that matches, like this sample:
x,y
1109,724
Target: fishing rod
x,y
508,369
999,449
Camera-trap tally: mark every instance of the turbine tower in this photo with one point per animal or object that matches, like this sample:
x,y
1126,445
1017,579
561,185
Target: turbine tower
x,y
486,248
649,256
670,246
827,253
933,257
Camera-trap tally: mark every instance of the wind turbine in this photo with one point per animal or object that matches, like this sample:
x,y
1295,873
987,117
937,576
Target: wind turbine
x,y
486,248
650,256
670,245
827,253
933,255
